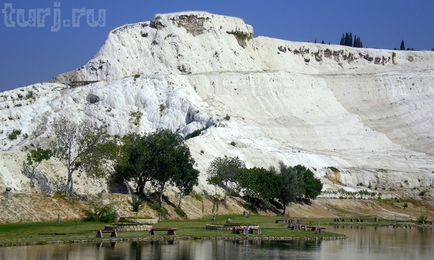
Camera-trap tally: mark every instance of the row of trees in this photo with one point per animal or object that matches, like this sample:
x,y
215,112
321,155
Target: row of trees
x,y
347,40
285,184
160,159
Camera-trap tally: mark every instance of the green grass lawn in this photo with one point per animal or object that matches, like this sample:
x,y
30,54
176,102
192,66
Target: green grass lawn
x,y
14,234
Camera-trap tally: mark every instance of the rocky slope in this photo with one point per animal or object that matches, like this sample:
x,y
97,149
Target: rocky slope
x,y
361,118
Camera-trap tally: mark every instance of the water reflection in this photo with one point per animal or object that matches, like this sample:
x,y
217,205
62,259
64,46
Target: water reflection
x,y
363,243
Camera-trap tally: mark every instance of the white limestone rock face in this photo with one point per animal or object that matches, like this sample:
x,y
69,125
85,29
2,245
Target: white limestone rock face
x,y
366,112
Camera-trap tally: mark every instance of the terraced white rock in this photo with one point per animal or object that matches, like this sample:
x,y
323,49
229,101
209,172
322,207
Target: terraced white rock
x,y
367,112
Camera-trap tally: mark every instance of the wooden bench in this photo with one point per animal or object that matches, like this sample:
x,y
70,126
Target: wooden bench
x,y
246,230
284,221
111,230
306,228
170,231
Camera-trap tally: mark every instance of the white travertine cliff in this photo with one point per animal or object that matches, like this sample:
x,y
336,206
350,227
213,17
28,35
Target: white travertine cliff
x,y
366,112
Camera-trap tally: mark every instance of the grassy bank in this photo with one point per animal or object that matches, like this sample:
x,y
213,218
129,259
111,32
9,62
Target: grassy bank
x,y
42,233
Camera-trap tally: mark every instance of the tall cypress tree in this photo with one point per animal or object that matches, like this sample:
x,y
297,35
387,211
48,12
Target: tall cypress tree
x,y
342,40
402,48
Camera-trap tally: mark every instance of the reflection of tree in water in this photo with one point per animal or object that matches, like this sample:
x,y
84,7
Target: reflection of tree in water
x,y
135,250
291,245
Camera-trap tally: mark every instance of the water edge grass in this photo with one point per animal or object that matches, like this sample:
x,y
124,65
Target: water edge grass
x,y
78,231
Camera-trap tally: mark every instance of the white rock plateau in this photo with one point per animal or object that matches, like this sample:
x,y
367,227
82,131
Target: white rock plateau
x,y
367,112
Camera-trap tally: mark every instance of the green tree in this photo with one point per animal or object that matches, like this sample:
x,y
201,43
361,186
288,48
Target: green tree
x,y
402,47
291,185
134,162
259,184
185,178
36,157
160,158
224,171
312,186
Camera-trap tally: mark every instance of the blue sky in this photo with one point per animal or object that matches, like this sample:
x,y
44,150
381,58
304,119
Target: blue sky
x,y
30,55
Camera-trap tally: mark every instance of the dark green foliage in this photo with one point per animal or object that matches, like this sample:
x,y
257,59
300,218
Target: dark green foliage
x,y
185,179
422,193
348,40
259,184
227,117
160,158
195,133
287,185
311,186
105,214
161,210
14,134
180,212
30,95
233,144
422,220
402,46
334,169
357,42
291,185
136,203
35,157
241,35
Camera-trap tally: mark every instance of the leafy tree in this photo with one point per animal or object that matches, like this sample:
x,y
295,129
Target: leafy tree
x,y
259,184
185,179
134,162
36,157
160,158
291,185
171,157
223,171
312,186
402,47
79,147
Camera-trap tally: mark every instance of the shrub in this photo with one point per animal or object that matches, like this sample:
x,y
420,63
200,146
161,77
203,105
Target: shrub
x,y
136,203
135,117
195,133
105,213
422,193
227,117
29,95
333,169
241,35
233,143
180,212
421,220
161,210
197,196
14,134
405,205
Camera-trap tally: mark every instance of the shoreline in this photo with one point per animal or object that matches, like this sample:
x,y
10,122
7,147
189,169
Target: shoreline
x,y
181,238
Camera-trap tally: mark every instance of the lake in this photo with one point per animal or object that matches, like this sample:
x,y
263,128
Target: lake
x,y
362,243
